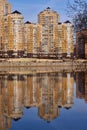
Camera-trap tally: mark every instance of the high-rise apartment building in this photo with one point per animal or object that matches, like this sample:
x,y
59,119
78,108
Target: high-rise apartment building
x,y
48,16
57,38
48,19
64,39
12,34
47,38
32,38
67,39
15,27
5,8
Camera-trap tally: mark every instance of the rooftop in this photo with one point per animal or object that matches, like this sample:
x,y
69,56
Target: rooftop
x,y
27,22
67,21
16,12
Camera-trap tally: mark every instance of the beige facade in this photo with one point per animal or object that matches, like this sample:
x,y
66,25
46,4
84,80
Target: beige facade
x,y
48,19
67,45
48,16
15,21
32,38
47,38
5,8
12,34
57,38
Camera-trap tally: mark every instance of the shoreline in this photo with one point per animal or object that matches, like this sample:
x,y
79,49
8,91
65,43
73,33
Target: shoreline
x,y
38,62
21,62
29,66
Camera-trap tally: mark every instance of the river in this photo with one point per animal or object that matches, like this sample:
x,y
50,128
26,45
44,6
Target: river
x,y
43,101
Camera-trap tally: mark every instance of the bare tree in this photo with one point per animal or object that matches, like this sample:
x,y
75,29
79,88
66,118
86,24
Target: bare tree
x,y
77,10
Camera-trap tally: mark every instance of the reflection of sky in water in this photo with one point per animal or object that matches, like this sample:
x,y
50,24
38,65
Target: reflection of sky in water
x,y
31,121
73,119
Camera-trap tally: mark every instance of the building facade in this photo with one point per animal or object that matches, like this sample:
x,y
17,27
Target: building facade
x,y
12,38
81,44
57,38
32,39
5,8
46,39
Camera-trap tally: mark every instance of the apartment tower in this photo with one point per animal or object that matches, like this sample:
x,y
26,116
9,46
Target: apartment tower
x,y
32,39
48,18
49,38
57,37
12,35
5,8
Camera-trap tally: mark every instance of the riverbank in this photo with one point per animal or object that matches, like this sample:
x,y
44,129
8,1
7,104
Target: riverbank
x,y
26,62
26,65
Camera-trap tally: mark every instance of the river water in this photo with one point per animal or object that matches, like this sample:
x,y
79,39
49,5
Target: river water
x,y
43,101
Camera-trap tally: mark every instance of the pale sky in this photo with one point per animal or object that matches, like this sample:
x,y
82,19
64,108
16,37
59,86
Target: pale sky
x,y
31,8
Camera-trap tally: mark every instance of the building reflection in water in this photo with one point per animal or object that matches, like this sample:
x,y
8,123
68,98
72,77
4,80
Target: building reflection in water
x,y
81,85
48,92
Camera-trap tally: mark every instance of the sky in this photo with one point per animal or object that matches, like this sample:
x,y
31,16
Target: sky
x,y
31,8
